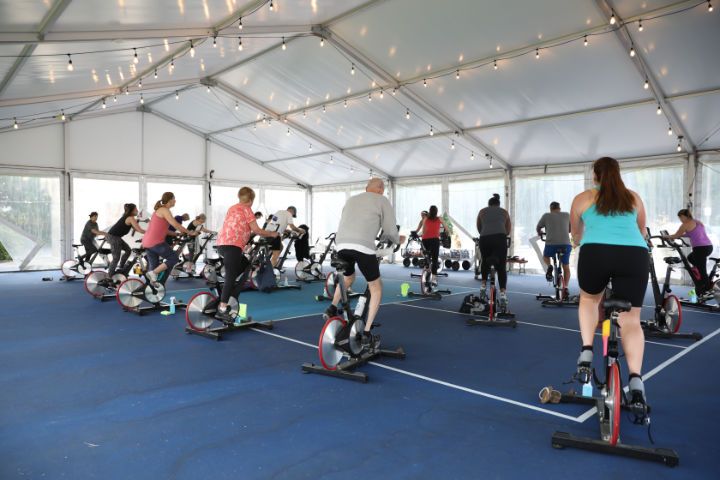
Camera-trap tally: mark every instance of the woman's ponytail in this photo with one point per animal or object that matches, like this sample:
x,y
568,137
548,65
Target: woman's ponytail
x,y
166,197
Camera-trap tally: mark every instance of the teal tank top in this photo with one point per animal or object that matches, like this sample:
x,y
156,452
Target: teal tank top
x,y
619,229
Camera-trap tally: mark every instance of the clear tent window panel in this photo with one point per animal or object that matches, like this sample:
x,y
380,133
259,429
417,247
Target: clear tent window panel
x,y
188,198
281,199
466,199
710,215
106,197
327,209
533,196
30,222
410,200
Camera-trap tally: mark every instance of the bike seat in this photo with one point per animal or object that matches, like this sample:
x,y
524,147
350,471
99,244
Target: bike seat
x,y
672,260
77,244
340,265
617,304
105,251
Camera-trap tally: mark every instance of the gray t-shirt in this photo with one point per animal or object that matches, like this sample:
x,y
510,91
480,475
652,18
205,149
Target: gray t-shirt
x,y
557,228
362,218
492,221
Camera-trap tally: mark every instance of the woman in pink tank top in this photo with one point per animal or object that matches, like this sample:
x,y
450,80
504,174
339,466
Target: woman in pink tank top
x,y
701,245
154,240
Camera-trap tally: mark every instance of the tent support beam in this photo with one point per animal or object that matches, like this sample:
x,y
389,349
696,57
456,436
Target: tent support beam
x,y
318,138
204,136
623,34
47,22
171,94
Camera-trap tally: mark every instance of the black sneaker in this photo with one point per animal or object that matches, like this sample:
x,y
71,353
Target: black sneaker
x,y
549,273
370,342
223,314
639,407
331,311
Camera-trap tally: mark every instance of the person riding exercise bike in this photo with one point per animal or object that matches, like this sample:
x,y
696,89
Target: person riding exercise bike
x,y
557,237
116,233
701,245
87,238
154,240
240,222
608,221
363,216
494,226
284,220
430,227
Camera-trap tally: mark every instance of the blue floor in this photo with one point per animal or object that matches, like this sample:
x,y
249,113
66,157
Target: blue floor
x,y
89,391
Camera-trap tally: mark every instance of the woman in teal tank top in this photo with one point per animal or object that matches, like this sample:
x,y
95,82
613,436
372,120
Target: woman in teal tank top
x,y
608,222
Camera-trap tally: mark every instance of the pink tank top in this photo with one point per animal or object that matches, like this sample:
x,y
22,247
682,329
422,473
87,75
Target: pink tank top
x,y
156,231
698,237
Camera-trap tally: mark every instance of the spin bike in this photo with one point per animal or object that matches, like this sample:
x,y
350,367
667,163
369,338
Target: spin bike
x,y
559,299
187,268
202,307
610,400
293,236
103,287
141,296
711,294
489,312
341,335
667,316
428,284
311,270
77,268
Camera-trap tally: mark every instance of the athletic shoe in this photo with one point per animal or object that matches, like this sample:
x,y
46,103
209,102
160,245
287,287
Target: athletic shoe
x,y
331,311
584,366
549,273
370,342
503,301
638,404
152,276
483,296
224,315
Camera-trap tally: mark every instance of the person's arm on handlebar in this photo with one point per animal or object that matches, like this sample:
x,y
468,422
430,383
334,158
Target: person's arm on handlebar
x,y
680,233
255,228
540,226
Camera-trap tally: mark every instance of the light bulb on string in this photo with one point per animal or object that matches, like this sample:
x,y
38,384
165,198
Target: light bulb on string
x,y
140,83
612,18
208,89
304,114
585,42
382,94
104,106
171,67
710,7
284,45
166,44
670,132
659,110
177,95
472,155
632,51
407,114
62,113
331,160
646,85
15,124
495,67
240,25
491,164
345,104
127,90
537,53
310,147
214,41
70,66
370,97
352,169
352,69
324,109
114,98
272,7
237,106
322,41
640,26
457,74
425,82
142,100
155,74
136,60
394,91
432,132
240,45
288,132
192,49
452,145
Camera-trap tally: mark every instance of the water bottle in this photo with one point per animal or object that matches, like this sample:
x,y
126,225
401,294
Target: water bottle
x,y
693,296
360,307
587,389
172,305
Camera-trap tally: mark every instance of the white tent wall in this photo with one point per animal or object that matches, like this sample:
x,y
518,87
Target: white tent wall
x,y
40,147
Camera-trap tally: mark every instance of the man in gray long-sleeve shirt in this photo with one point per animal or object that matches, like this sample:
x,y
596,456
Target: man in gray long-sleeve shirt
x,y
362,218
557,238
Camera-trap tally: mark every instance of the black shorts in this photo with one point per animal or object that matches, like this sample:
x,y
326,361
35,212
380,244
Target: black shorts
x,y
276,244
628,267
368,264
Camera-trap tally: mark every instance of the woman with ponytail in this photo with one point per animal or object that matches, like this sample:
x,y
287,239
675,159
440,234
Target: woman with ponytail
x,y
608,222
430,226
154,240
116,233
494,226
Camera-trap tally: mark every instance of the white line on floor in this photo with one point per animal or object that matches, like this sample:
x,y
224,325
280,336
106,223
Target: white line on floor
x,y
438,382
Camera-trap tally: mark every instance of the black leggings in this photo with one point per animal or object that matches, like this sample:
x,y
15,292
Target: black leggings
x,y
235,264
698,258
494,247
90,249
118,246
432,245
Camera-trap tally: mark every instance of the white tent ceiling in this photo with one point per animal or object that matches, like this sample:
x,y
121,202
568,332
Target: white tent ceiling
x,y
572,104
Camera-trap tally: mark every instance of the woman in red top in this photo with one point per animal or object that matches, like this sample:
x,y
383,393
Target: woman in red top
x,y
154,239
430,225
239,224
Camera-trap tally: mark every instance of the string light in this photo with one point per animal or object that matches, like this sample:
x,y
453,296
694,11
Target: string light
x,y
382,94
352,69
394,91
407,114
370,97
310,147
632,50
114,98
640,26
284,45
127,90
167,45
156,74
136,60
15,124
214,41
140,83
491,164
331,160
272,7
537,53
288,132
345,104
670,131
208,89
177,95
431,131
324,109
240,45
585,42
305,113
495,64
710,7
612,18
322,41
679,145
142,100
646,85
237,105
457,74
472,155
70,66
659,110
192,49
104,106
62,113
452,145
352,169
172,65
425,82
240,25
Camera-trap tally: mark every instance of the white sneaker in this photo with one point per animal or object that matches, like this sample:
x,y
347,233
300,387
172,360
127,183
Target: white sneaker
x,y
152,276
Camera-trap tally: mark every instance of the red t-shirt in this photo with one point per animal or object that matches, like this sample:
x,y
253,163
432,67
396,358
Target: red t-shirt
x,y
235,230
431,228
